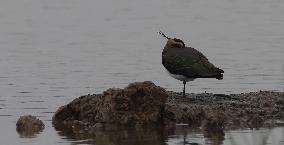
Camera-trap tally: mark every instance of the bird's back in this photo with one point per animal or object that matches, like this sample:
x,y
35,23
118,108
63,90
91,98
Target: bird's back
x,y
189,62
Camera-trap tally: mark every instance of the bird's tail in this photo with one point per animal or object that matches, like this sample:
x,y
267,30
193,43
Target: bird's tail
x,y
220,72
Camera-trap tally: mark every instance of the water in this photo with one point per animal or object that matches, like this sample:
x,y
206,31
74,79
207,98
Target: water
x,y
54,50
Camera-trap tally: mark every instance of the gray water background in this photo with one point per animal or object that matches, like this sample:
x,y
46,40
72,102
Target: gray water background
x,y
52,51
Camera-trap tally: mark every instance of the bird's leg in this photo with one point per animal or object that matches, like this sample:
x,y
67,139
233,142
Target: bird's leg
x,y
183,92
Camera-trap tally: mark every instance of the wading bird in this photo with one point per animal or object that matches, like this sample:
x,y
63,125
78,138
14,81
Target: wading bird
x,y
186,63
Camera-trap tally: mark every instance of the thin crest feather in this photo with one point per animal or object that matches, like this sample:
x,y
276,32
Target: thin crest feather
x,y
161,33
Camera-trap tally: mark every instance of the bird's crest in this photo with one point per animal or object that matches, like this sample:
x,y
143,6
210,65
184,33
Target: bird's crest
x,y
161,33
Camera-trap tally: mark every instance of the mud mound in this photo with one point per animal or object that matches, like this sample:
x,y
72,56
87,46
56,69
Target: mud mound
x,y
139,103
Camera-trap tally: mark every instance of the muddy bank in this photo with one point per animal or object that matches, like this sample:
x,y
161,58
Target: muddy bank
x,y
144,103
246,110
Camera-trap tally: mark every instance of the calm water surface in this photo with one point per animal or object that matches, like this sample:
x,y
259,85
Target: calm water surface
x,y
54,50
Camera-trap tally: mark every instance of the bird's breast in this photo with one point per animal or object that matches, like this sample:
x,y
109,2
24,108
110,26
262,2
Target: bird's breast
x,y
181,77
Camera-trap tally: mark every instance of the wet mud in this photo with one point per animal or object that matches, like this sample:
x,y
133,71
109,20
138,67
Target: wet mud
x,y
143,104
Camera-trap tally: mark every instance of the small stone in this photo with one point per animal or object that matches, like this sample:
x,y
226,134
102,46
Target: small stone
x,y
29,125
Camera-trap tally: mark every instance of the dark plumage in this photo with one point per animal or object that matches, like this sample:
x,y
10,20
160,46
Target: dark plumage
x,y
187,63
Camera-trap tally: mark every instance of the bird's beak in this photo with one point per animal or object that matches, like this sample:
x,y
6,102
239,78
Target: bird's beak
x,y
161,33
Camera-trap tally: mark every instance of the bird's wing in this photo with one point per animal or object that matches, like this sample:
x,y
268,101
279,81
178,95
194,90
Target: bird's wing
x,y
188,62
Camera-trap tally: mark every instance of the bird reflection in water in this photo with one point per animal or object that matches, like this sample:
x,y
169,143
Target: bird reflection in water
x,y
196,136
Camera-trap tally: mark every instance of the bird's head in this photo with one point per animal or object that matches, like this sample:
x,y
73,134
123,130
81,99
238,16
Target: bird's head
x,y
173,43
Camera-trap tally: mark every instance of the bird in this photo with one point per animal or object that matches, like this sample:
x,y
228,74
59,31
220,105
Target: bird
x,y
186,63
